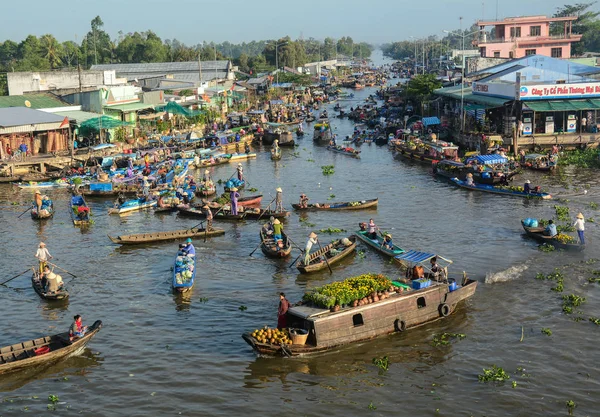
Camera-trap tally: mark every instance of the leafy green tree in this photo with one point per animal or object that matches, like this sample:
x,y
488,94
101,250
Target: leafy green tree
x,y
420,87
30,56
97,44
51,50
585,25
71,53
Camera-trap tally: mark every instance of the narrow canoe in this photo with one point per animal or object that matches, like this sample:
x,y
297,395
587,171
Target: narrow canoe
x,y
502,191
41,216
22,355
259,214
376,244
151,237
180,283
241,156
132,205
269,247
164,210
358,205
203,191
76,202
345,151
218,215
317,259
249,201
37,286
537,233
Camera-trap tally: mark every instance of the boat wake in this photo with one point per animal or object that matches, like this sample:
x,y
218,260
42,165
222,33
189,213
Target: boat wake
x,y
509,274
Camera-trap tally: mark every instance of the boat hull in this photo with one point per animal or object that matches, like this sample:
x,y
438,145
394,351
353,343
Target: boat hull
x,y
142,238
537,233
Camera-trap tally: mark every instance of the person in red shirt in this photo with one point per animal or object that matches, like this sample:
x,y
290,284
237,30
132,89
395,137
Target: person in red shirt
x,y
284,305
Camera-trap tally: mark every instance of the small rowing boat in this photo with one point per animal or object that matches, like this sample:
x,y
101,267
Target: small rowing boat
x,y
275,154
538,234
270,248
132,205
353,205
204,190
345,151
80,211
377,244
241,156
45,350
184,272
334,252
218,215
33,185
258,214
152,237
508,191
46,211
36,283
250,201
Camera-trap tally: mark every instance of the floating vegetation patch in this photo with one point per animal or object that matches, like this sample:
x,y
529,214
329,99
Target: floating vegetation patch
x,y
445,338
494,374
328,169
382,363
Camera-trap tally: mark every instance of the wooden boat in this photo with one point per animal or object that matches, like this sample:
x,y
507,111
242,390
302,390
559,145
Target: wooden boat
x,y
183,265
218,215
270,249
539,162
216,161
236,157
377,244
537,233
152,237
426,152
250,201
41,216
61,294
33,185
455,169
400,311
317,259
502,191
259,214
275,154
76,202
32,352
164,210
322,137
345,151
354,205
132,205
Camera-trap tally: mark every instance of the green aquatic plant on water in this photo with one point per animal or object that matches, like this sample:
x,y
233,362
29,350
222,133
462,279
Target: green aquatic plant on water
x,y
445,338
546,331
546,248
382,363
570,301
328,169
583,158
570,406
562,212
595,320
332,230
494,374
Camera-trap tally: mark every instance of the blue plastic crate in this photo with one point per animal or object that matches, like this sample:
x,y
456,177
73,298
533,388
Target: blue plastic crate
x,y
101,186
419,284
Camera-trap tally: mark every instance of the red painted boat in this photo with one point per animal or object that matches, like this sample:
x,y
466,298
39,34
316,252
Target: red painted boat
x,y
250,201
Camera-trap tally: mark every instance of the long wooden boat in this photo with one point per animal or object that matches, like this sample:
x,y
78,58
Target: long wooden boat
x,y
427,152
377,244
152,237
324,136
23,355
166,209
454,169
250,201
132,205
37,286
218,215
345,151
33,185
270,249
41,216
216,161
184,273
502,191
537,233
241,156
399,312
259,214
204,191
539,162
275,154
317,259
352,205
76,202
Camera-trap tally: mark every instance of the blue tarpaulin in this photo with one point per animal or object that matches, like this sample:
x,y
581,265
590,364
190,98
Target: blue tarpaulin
x,y
430,121
414,256
275,102
488,159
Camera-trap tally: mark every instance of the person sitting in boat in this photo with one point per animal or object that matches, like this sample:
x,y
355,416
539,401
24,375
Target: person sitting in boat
x,y
303,203
189,247
434,267
83,212
279,245
551,229
43,256
527,187
387,242
54,282
44,277
277,230
469,181
372,230
77,329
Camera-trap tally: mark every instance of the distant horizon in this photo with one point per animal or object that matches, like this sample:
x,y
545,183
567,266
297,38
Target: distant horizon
x,y
376,24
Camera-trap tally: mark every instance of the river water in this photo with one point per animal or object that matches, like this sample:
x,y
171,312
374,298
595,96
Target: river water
x,y
159,354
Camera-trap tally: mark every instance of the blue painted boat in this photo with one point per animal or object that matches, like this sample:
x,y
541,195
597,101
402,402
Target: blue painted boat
x,y
132,205
79,216
47,210
498,190
184,272
377,244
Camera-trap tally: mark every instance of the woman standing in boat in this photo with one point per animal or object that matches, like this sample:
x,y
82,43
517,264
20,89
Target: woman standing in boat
x,y
312,240
580,227
240,172
372,230
233,196
209,217
279,200
284,305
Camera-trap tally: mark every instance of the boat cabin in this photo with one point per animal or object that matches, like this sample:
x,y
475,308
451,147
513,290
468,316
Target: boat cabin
x,y
537,161
442,150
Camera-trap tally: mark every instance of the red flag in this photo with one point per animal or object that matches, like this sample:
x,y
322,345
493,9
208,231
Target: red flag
x,y
232,87
64,123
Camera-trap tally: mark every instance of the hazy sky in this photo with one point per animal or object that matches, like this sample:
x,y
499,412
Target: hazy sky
x,y
194,21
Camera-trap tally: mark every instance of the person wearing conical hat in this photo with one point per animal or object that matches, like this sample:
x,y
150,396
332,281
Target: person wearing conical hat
x,y
279,200
580,227
240,172
387,242
43,256
233,196
527,187
209,216
312,240
303,203
277,230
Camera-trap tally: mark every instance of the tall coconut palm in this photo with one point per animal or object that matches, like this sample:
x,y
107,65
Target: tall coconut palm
x,y
51,50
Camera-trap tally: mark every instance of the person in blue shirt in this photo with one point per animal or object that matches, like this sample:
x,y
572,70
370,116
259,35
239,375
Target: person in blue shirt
x,y
237,137
23,148
527,187
551,229
387,242
189,248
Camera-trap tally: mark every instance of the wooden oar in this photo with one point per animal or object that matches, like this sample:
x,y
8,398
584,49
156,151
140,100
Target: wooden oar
x,y
16,276
24,212
325,256
257,246
295,260
267,209
64,270
294,243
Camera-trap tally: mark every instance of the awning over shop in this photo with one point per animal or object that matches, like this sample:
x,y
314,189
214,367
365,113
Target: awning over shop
x,y
488,159
563,105
127,108
468,97
78,116
430,121
103,122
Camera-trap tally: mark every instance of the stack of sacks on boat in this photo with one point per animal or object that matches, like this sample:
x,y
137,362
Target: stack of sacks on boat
x,y
46,203
184,268
234,182
529,222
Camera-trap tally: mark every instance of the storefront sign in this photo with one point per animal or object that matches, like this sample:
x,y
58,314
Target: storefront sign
x,y
545,92
493,89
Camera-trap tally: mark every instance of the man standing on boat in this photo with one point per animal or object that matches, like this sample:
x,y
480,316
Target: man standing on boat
x,y
279,200
43,256
240,172
580,227
284,305
312,240
209,217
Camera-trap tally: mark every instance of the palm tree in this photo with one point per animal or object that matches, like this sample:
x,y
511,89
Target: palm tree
x,y
51,50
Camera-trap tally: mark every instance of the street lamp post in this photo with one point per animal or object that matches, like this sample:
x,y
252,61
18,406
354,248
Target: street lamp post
x,y
277,45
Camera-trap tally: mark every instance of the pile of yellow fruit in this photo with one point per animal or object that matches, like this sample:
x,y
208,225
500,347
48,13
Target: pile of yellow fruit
x,y
272,336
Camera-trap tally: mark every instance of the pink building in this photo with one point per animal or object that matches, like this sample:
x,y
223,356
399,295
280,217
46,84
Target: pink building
x,y
516,37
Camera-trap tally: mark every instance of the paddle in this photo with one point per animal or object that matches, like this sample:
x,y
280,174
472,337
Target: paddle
x,y
295,260
325,256
294,243
267,209
257,246
16,276
24,212
64,270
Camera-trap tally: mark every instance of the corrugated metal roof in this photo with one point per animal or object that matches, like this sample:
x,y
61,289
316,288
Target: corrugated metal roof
x,y
162,67
78,115
130,107
37,101
542,62
19,116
